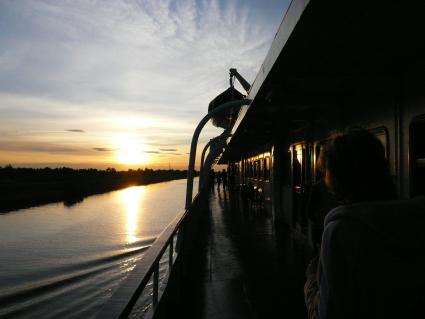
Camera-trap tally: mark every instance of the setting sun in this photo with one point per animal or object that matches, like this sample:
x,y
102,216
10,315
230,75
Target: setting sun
x,y
131,151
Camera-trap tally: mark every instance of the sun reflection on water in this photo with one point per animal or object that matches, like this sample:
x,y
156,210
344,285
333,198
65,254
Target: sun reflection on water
x,y
132,198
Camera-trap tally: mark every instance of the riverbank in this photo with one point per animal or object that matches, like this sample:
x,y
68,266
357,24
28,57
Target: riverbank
x,y
27,187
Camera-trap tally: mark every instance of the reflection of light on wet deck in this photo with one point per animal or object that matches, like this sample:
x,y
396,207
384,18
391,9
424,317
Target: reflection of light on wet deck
x,y
132,198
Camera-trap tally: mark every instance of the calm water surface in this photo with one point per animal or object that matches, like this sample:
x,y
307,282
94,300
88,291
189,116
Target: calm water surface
x,y
58,261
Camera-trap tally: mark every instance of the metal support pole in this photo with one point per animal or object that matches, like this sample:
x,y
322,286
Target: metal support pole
x,y
215,151
203,157
213,140
245,84
190,170
201,167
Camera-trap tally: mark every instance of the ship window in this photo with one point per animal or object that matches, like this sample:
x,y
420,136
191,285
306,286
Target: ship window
x,y
287,162
381,134
260,169
267,168
318,149
417,157
297,165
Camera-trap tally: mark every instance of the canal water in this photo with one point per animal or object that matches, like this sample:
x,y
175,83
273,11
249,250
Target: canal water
x,y
59,261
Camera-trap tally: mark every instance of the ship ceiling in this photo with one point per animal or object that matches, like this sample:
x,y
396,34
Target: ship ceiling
x,y
336,49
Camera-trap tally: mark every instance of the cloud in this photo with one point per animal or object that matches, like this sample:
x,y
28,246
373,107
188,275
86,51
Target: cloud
x,y
103,149
93,63
37,147
152,52
152,152
171,153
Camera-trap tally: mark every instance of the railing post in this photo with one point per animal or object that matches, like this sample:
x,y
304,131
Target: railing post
x,y
190,170
155,286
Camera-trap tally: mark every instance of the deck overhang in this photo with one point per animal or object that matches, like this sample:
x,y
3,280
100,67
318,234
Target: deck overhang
x,y
323,52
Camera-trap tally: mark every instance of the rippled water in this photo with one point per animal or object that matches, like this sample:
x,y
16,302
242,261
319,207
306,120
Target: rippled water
x,y
59,261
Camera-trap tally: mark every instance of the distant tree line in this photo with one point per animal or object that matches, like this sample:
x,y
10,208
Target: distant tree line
x,y
25,187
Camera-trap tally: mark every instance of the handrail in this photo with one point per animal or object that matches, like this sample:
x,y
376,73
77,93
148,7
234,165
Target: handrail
x,y
125,297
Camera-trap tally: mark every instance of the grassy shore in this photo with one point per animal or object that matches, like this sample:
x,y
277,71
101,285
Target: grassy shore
x,y
26,187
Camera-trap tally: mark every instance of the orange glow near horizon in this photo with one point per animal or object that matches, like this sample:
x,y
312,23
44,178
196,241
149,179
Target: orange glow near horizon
x,y
122,156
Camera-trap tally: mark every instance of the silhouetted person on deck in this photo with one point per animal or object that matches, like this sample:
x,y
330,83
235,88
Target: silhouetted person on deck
x,y
218,177
372,258
224,178
248,194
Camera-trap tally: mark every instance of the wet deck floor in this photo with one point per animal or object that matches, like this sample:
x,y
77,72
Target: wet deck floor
x,y
246,268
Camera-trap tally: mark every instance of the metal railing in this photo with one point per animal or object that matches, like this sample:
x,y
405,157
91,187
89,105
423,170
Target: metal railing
x,y
121,304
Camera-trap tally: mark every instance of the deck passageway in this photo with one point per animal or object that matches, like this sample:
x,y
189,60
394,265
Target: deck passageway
x,y
245,267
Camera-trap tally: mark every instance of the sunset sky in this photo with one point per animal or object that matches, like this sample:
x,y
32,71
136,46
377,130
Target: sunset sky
x,y
120,83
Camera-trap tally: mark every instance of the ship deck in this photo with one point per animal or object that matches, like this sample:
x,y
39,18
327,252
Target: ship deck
x,y
245,267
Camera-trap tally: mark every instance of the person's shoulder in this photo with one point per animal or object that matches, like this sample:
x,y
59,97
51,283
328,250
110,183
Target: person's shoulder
x,y
343,229
338,227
